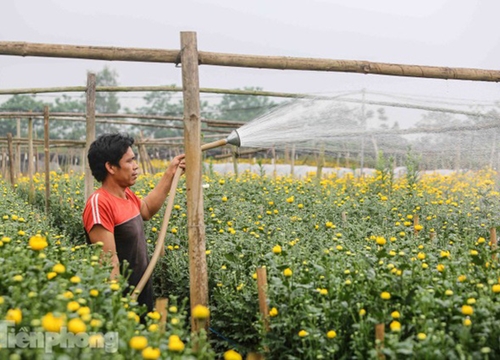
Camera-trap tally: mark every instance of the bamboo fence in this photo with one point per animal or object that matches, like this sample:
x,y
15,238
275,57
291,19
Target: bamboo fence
x,y
191,59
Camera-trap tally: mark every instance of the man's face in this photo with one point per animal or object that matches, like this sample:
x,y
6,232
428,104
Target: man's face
x,y
127,173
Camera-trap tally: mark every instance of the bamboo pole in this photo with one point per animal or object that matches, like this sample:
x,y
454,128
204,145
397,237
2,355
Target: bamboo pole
x,y
234,154
18,149
82,117
4,164
83,162
142,156
192,128
493,238
161,306
91,83
11,159
149,89
379,339
250,61
47,159
321,162
31,194
214,123
262,293
37,158
273,150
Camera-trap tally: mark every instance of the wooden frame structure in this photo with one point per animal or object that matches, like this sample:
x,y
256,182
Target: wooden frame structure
x,y
191,58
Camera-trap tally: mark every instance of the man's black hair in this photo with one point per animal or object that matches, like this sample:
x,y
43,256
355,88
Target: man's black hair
x,y
107,148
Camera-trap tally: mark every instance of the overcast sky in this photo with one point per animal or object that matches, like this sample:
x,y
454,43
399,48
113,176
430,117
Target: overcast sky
x,y
453,33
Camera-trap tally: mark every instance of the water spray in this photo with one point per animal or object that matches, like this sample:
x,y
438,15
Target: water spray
x,y
232,139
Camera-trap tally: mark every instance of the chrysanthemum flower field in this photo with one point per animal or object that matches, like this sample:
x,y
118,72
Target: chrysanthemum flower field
x,y
412,256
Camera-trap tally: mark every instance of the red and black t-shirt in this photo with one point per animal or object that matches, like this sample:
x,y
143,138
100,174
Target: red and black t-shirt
x,y
122,217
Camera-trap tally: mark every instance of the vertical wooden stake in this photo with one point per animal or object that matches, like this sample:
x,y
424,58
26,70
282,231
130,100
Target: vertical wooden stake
x,y
321,162
89,179
47,158
262,292
37,158
198,276
161,306
18,149
344,217
493,240
4,164
31,193
83,160
235,160
415,223
379,339
274,162
432,236
11,159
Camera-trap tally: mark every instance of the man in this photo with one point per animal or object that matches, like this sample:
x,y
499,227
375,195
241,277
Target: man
x,y
114,215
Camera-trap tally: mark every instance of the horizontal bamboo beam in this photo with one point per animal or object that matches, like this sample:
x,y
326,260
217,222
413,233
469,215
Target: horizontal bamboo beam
x,y
149,89
148,142
89,52
249,61
232,123
55,115
350,66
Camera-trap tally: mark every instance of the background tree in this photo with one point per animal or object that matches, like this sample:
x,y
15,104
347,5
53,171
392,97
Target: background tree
x,y
21,103
107,102
164,103
60,129
243,107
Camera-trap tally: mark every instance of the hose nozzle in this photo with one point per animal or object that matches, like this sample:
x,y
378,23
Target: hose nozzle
x,y
232,139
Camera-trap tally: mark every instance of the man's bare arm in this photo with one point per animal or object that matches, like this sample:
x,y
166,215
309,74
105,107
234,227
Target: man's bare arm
x,y
100,234
155,199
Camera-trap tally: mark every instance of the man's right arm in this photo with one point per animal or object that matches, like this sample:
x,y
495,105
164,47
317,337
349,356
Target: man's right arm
x,y
107,238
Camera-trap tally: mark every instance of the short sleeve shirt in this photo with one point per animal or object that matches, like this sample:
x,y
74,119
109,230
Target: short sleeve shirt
x,y
122,217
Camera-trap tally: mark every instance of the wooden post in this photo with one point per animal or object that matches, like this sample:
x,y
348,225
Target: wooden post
x,y
262,291
11,159
198,278
83,160
18,149
415,223
379,339
4,165
235,160
36,156
89,179
344,217
31,194
161,306
321,162
493,240
142,155
274,161
47,158
432,236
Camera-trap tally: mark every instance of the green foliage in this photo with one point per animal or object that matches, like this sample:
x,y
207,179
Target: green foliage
x,y
339,268
71,282
19,103
243,107
412,172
